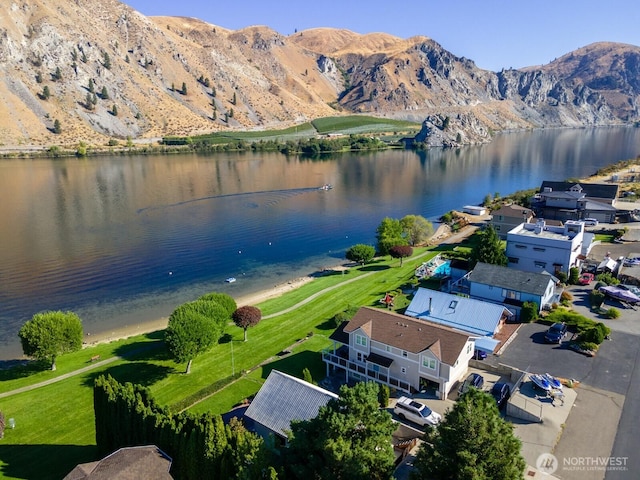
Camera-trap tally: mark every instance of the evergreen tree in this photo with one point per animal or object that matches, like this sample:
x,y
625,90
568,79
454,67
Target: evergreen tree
x,y
184,88
106,60
57,127
39,77
234,100
213,92
231,113
46,93
104,94
88,102
489,249
91,85
349,438
472,442
57,74
114,110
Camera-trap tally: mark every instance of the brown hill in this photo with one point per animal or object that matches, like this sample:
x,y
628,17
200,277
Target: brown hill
x,y
105,71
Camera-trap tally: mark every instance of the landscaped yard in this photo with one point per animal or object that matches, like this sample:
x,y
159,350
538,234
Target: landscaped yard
x,y
55,425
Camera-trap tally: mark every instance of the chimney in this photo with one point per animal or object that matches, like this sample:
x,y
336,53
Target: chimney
x,y
430,300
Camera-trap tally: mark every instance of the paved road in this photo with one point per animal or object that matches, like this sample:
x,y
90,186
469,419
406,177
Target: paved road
x,y
610,381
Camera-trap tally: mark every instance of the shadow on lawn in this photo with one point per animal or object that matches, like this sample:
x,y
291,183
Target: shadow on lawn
x,y
293,364
144,350
42,461
141,373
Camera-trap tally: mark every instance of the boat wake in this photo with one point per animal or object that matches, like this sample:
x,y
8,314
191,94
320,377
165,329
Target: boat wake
x,y
286,193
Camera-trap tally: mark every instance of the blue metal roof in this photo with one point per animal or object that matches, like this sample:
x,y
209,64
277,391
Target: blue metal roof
x,y
463,313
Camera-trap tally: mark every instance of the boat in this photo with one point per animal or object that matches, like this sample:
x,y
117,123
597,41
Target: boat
x,y
553,381
326,186
230,279
621,294
541,382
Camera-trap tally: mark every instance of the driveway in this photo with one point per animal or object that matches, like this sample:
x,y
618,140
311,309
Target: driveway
x,y
603,422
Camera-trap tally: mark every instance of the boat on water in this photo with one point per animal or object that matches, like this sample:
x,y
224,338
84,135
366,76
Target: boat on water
x,y
230,279
326,186
541,382
553,381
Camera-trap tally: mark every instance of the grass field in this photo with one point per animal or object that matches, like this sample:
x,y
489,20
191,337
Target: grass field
x,y
360,124
55,425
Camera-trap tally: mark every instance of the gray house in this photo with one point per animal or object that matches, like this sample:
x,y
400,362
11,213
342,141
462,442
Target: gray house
x,y
405,353
510,287
282,399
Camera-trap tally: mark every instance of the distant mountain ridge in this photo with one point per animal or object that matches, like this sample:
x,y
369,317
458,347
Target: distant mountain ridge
x,y
160,76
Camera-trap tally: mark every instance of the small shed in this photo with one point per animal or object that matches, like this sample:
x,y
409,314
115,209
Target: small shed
x,y
474,210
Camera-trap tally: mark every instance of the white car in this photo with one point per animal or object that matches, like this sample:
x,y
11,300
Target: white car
x,y
590,222
416,412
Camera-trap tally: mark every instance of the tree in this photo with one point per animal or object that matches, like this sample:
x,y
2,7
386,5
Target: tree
x,y
184,88
401,252
349,438
106,61
489,249
529,312
114,110
416,229
190,332
234,100
245,317
360,253
50,334
91,86
46,93
574,275
472,442
57,75
57,126
389,234
104,94
225,300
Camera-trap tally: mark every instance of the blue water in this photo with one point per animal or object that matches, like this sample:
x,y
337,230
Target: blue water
x,y
122,239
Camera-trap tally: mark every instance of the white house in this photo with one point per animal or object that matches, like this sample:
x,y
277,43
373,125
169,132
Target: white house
x,y
399,351
540,247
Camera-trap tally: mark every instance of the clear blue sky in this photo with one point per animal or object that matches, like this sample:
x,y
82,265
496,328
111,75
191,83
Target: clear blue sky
x,y
493,33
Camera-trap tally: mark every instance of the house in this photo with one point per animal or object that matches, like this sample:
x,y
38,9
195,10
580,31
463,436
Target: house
x,y
576,201
508,217
282,399
540,247
399,351
511,287
479,319
129,462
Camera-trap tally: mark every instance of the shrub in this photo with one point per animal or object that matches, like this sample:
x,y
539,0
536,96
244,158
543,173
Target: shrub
x,y
591,335
566,298
383,396
596,298
562,277
588,346
529,312
612,313
607,278
574,275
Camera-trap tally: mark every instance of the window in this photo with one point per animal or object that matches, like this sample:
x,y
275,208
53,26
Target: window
x,y
453,304
387,348
404,353
540,264
513,259
520,246
468,347
539,249
511,294
361,340
429,363
403,370
360,358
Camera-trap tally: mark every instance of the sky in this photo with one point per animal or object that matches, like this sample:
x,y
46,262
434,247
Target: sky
x,y
495,34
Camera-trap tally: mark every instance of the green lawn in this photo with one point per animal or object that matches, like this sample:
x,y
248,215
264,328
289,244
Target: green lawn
x,y
358,124
55,424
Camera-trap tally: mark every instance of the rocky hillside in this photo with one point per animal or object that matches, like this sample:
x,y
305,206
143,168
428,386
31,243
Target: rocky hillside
x,y
105,71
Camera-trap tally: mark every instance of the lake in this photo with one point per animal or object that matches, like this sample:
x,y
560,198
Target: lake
x,y
127,238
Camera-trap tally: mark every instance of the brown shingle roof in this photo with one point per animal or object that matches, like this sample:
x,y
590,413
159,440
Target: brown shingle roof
x,y
409,334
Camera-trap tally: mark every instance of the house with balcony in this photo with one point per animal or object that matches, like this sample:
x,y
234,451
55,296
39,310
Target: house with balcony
x,y
540,247
508,217
404,353
576,201
509,287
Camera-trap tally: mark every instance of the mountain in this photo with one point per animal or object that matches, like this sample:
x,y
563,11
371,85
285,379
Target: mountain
x,y
105,71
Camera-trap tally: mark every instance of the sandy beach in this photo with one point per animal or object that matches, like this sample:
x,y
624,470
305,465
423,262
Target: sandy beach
x,y
147,326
